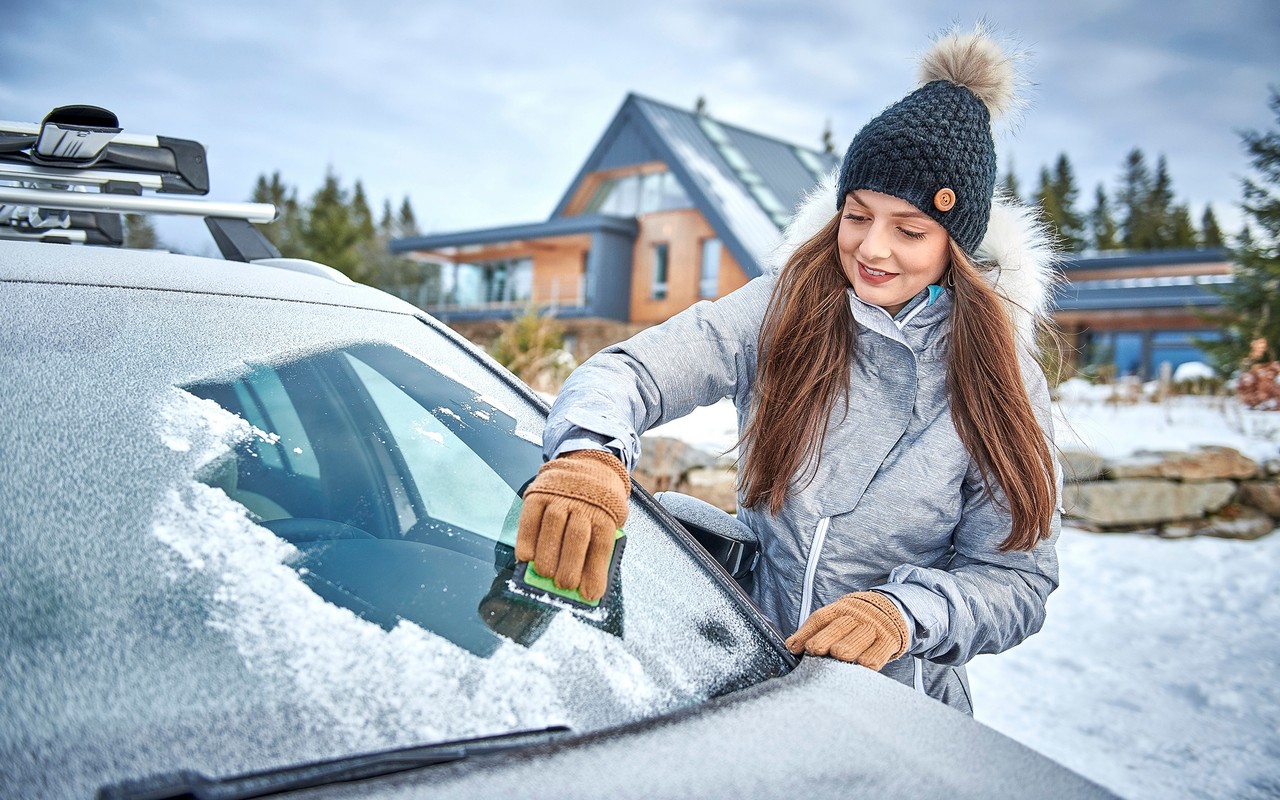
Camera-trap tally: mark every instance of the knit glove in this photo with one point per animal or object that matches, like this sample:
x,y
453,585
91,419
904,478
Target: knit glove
x,y
571,510
862,627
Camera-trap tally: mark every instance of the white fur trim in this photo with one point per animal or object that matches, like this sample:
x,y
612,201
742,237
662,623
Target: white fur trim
x,y
1017,241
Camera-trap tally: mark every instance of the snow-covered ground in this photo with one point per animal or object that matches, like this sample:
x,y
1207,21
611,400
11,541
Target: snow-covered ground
x,y
1157,673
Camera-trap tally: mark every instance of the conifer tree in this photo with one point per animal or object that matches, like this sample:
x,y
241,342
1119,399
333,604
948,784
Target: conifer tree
x,y
1131,197
1160,208
360,213
1251,303
1182,230
1103,231
407,223
384,224
332,231
1057,195
285,232
1210,233
1008,184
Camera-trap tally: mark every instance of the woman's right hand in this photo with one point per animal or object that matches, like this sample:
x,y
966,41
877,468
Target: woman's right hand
x,y
571,510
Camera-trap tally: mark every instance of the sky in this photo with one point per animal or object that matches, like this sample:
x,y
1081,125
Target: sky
x,y
481,113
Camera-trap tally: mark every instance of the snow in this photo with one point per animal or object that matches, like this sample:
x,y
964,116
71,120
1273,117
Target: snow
x,y
1157,673
1193,371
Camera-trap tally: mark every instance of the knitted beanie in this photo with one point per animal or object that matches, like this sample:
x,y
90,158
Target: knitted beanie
x,y
933,148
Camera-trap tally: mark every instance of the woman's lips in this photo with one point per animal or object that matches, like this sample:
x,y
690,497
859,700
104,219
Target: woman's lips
x,y
874,280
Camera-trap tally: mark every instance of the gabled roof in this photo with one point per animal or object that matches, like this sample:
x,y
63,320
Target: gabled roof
x,y
747,185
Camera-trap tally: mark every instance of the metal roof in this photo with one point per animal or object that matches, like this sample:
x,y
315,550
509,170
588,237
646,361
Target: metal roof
x,y
557,226
1146,258
734,197
1087,297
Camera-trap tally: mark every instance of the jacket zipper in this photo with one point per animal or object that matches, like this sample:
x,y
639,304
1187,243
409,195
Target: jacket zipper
x,y
811,569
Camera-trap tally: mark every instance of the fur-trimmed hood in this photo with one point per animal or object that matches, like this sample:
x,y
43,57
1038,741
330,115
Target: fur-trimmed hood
x,y
1024,263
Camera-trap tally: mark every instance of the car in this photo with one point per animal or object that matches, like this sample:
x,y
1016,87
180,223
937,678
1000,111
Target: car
x,y
258,526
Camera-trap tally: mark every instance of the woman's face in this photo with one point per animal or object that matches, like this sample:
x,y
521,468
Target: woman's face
x,y
889,250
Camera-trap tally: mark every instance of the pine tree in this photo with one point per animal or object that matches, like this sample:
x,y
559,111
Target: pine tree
x,y
1102,224
1008,185
1056,196
139,233
1210,233
1160,208
285,232
1131,197
384,224
1071,224
1183,231
360,212
332,231
407,223
1251,303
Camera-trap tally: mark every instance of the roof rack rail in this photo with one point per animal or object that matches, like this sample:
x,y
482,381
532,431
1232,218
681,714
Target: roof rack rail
x,y
58,164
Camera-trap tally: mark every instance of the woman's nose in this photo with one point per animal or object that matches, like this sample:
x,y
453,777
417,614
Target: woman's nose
x,y
875,245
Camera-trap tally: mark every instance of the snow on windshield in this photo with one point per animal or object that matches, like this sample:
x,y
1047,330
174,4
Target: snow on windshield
x,y
379,687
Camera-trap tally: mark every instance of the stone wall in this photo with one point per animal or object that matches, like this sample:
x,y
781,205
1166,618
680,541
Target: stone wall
x,y
1210,491
1213,491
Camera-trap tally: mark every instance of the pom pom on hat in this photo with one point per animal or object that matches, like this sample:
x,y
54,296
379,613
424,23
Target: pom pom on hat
x,y
976,62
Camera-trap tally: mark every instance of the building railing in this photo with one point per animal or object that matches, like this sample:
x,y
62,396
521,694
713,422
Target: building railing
x,y
551,293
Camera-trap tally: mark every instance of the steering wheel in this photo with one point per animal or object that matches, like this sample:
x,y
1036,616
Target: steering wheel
x,y
299,530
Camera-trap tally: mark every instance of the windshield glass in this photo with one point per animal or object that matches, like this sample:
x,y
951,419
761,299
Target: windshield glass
x,y
282,532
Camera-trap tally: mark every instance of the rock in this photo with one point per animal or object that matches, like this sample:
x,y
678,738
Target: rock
x,y
1182,530
1264,495
1144,464
1201,464
1142,501
1243,522
664,462
1081,465
715,485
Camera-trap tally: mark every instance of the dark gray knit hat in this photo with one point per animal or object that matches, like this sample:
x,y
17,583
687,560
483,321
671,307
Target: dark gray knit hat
x,y
933,148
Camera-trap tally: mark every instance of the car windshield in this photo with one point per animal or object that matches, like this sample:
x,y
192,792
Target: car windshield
x,y
241,533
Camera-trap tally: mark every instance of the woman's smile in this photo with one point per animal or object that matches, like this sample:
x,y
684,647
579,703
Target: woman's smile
x,y
875,277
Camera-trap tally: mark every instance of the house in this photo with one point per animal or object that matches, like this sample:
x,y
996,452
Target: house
x,y
1130,313
671,207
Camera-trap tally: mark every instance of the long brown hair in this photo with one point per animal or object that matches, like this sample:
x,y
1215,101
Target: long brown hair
x,y
806,348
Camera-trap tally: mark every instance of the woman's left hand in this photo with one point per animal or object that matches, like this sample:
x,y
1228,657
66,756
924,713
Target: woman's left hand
x,y
862,627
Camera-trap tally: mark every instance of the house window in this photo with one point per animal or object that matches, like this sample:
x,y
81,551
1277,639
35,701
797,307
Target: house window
x,y
658,289
709,271
505,282
630,195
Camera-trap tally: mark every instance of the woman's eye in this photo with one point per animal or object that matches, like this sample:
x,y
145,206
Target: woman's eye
x,y
911,234
855,217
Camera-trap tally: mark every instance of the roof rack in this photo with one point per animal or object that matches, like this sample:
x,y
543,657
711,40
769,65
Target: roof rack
x,y
77,171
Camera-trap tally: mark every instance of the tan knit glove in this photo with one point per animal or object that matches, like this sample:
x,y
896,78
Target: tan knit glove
x,y
862,627
571,510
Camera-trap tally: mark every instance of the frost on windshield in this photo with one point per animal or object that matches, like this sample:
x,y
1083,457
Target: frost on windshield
x,y
388,685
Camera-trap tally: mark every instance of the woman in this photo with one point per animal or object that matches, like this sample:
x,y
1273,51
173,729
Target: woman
x,y
896,459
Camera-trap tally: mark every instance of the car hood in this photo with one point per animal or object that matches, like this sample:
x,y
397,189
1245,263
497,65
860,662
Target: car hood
x,y
826,727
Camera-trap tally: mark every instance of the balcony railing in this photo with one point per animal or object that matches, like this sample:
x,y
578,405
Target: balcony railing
x,y
551,293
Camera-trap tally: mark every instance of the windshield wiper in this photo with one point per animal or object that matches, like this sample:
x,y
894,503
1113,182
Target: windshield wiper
x,y
191,784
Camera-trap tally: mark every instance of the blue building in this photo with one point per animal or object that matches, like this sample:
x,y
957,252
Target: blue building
x,y
1135,311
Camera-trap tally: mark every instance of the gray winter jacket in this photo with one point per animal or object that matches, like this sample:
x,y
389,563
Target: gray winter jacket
x,y
896,504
